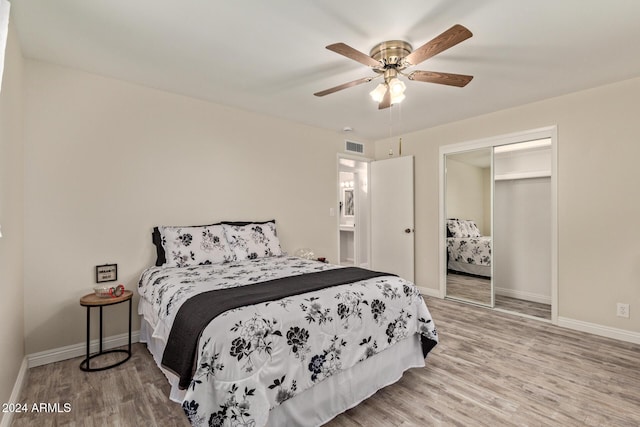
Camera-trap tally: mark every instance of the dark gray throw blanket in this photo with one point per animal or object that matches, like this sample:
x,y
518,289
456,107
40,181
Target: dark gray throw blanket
x,y
198,311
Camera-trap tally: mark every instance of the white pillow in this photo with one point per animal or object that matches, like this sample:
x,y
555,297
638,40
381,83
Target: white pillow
x,y
254,240
470,228
201,245
463,228
454,228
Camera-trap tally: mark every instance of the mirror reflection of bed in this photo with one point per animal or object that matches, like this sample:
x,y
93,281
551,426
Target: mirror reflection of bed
x,y
468,262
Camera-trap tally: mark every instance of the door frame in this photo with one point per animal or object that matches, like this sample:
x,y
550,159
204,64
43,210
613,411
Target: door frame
x,y
346,156
527,135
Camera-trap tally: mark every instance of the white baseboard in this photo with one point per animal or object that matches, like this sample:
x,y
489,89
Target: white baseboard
x,y
430,292
527,296
604,331
77,350
15,394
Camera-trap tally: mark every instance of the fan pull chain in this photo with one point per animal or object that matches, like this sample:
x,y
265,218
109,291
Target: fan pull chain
x,y
400,129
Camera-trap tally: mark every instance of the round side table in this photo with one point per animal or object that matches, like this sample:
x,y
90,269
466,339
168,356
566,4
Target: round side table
x,y
92,300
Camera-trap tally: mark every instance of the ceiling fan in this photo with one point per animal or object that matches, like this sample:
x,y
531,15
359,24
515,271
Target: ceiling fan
x,y
389,59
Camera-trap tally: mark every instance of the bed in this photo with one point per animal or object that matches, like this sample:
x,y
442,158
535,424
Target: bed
x,y
302,352
468,251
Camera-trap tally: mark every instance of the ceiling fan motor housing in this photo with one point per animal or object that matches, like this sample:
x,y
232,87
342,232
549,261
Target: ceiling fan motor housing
x,y
391,53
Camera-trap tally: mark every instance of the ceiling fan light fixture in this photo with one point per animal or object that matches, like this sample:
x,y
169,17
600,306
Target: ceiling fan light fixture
x,y
378,93
396,86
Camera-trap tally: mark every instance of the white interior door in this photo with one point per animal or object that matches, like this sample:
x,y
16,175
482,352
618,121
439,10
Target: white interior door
x,y
392,234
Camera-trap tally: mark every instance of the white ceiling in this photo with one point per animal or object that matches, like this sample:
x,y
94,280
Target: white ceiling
x,y
270,56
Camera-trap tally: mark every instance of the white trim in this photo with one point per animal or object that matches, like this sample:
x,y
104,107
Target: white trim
x,y
5,12
554,224
430,292
15,394
77,350
527,296
603,331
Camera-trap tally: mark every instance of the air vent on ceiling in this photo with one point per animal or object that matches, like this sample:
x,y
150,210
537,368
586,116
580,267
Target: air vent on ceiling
x,y
354,147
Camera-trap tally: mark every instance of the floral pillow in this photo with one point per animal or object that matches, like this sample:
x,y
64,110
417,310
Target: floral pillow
x,y
453,228
187,246
470,228
254,240
462,228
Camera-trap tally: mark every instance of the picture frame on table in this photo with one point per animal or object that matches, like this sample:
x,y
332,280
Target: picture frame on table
x,y
106,273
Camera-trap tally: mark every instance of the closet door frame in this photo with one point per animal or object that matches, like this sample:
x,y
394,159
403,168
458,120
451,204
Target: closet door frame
x,y
512,138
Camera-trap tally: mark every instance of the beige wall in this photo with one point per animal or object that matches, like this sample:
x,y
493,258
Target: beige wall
x,y
598,203
465,193
106,161
11,213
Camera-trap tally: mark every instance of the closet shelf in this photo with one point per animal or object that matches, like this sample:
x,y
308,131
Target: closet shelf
x,y
523,175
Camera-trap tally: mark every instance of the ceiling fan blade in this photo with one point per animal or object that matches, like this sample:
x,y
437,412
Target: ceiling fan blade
x,y
459,80
344,86
354,54
386,101
444,41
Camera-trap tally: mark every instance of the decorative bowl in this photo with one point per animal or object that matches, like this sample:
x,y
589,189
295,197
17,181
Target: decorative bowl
x,y
102,291
105,291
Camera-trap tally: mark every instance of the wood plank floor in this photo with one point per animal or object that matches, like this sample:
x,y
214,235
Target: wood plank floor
x,y
471,288
530,308
478,289
490,369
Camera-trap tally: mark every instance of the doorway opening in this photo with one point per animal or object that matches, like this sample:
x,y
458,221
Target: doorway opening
x,y
354,216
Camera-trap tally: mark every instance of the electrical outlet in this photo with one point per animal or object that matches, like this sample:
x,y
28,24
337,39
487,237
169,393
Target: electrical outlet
x,y
622,310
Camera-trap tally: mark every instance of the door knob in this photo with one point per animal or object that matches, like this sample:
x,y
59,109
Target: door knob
x,y
407,230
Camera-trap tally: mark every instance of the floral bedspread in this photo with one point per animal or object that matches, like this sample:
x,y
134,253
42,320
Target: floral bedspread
x,y
470,250
253,358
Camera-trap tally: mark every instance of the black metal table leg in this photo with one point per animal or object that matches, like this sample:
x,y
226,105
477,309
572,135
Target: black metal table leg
x,y
88,337
92,301
130,302
100,341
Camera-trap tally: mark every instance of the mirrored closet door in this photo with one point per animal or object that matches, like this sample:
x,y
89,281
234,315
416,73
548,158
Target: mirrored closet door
x,y
498,207
468,201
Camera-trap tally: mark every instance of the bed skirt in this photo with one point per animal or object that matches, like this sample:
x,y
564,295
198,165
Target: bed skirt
x,y
331,397
475,269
